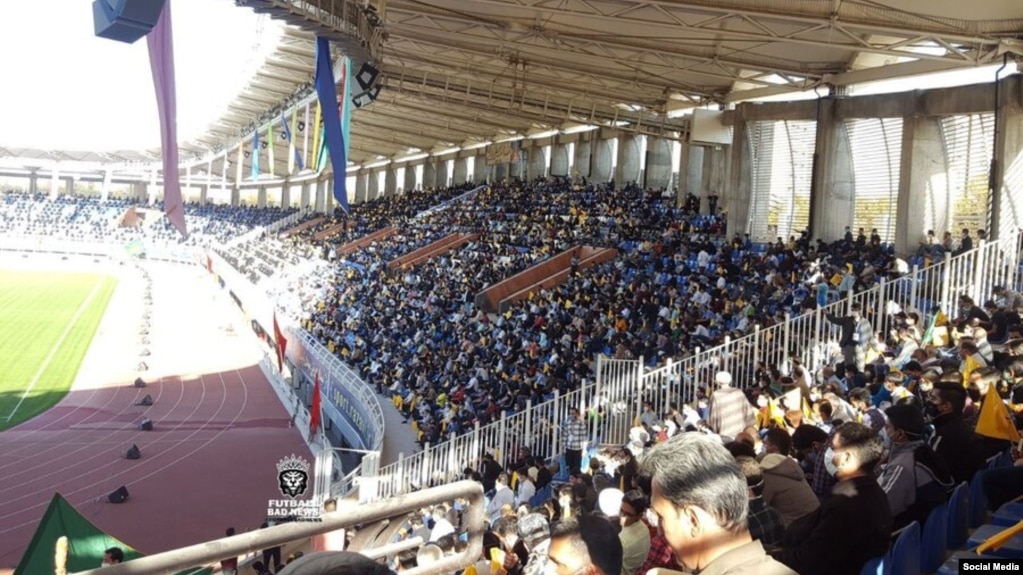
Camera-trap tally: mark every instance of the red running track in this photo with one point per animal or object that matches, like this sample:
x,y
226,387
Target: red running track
x,y
209,463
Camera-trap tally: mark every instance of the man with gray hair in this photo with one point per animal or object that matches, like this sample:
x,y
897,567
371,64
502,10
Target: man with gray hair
x,y
702,502
535,535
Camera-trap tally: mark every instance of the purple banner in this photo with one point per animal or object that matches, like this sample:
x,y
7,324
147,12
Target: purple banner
x,y
161,61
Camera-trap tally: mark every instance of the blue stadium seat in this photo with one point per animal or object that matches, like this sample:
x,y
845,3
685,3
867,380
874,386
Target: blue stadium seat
x,y
1013,548
978,502
1009,514
958,517
906,552
934,539
951,566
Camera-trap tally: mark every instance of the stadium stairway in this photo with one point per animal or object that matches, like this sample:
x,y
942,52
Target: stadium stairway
x,y
432,250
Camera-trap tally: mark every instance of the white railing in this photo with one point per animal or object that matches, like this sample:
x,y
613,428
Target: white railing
x,y
622,386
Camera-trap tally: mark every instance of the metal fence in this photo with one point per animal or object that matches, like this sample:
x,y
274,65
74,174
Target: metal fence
x,y
613,402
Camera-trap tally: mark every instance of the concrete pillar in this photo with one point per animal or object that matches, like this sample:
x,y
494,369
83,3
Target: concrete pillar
x,y
410,178
629,163
286,194
690,177
658,163
517,169
429,175
601,164
441,174
1007,198
304,195
204,194
69,186
329,203
236,195
713,174
583,159
835,204
501,171
461,174
321,197
373,185
391,181
480,168
737,194
537,164
559,160
361,188
923,184
261,197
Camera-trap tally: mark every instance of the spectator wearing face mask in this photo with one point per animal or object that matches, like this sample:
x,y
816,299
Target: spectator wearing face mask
x,y
954,441
785,486
809,443
915,479
854,525
635,536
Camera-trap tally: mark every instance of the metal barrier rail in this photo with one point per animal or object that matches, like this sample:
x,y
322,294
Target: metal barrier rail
x,y
213,551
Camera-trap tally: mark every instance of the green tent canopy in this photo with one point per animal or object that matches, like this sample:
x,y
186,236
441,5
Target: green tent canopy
x,y
86,543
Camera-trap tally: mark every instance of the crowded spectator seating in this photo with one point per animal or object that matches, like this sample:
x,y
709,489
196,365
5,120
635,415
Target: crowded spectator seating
x,y
91,219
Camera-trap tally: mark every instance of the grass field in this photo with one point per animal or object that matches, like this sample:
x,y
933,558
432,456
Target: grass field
x,y
47,321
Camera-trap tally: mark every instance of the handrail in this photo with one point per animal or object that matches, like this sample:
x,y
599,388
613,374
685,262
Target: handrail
x,y
279,535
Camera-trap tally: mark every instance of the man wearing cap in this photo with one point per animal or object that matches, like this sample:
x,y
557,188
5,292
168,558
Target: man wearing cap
x,y
915,480
534,533
730,411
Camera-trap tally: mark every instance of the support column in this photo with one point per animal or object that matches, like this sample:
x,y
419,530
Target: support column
x,y
583,159
441,174
480,169
429,175
923,180
461,174
712,174
69,187
537,166
261,197
600,158
1007,184
737,195
410,178
834,201
321,197
559,160
658,163
236,195
390,181
373,185
204,194
629,163
304,195
33,182
285,195
361,188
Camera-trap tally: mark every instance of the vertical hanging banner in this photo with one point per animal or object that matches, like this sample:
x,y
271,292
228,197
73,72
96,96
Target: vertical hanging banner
x,y
255,155
270,147
326,92
161,61
316,138
305,138
289,134
345,105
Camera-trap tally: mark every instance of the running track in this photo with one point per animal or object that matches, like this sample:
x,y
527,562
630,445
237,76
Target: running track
x,y
210,463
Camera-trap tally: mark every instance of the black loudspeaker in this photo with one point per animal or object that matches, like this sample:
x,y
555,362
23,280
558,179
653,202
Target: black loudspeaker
x,y
139,382
366,98
147,400
133,453
125,20
146,425
119,496
367,76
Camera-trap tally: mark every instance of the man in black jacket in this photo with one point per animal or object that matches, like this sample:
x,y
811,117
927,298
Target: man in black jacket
x,y
954,441
854,525
856,334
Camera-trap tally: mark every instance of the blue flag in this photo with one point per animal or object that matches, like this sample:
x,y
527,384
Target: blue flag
x,y
255,155
325,92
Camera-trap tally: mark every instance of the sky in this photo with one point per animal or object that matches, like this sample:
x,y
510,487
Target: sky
x,y
63,88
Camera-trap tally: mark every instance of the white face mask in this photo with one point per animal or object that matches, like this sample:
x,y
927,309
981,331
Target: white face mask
x,y
829,462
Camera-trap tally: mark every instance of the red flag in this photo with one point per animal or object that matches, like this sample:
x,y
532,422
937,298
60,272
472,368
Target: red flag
x,y
282,344
314,411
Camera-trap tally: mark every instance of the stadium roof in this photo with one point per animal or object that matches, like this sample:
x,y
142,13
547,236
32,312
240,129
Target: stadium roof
x,y
466,72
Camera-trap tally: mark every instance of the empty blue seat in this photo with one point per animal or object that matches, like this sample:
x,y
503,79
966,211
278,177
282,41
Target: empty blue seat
x,y
978,502
958,517
934,539
951,566
906,551
1012,549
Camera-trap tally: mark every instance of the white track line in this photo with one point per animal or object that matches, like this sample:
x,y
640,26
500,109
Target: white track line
x,y
56,346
